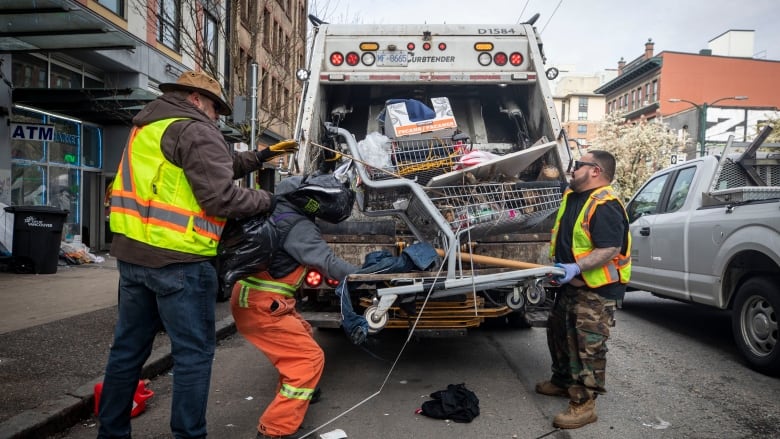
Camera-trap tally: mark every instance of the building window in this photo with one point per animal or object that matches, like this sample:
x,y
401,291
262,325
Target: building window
x,y
267,26
63,77
115,6
582,115
210,41
582,129
647,93
246,9
29,71
583,104
168,23
265,97
655,90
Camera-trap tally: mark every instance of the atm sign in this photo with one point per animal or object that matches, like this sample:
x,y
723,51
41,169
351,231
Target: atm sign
x,y
31,131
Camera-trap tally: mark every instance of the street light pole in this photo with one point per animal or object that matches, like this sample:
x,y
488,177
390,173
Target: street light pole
x,y
701,134
702,128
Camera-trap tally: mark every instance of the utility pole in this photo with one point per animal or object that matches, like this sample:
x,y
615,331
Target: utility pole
x,y
701,134
253,121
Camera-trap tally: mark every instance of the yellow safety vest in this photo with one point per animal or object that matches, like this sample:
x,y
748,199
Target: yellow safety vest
x,y
152,201
616,270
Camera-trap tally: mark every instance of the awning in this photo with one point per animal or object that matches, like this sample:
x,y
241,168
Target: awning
x,y
57,25
106,106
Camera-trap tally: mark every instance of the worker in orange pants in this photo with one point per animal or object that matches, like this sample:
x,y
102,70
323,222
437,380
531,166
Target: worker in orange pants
x,y
269,321
263,304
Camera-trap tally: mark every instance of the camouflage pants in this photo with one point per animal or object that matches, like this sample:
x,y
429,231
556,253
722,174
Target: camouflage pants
x,y
577,333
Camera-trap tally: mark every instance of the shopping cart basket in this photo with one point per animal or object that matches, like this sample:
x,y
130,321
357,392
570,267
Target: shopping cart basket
x,y
444,216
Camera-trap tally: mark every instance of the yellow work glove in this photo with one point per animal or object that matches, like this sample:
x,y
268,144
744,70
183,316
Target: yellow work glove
x,y
283,147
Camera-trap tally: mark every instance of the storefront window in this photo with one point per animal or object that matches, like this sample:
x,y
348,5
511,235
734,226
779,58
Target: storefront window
x,y
26,149
63,190
65,147
46,170
27,184
91,146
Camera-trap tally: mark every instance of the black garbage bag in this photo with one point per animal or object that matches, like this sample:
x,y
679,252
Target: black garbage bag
x,y
245,248
456,403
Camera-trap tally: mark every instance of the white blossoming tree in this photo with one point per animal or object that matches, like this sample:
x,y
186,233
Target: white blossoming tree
x,y
640,148
774,136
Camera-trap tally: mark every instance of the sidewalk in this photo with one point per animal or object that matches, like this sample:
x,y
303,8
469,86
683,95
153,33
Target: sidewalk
x,y
55,333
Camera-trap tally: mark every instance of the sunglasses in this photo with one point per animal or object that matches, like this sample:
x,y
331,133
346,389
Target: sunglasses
x,y
578,164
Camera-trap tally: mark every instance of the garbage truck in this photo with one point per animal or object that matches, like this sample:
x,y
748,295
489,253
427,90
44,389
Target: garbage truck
x,y
454,140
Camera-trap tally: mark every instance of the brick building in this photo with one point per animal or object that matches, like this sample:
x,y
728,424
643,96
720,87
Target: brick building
x,y
723,86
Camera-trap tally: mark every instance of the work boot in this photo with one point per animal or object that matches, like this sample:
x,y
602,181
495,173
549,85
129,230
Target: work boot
x,y
550,389
298,434
577,415
315,397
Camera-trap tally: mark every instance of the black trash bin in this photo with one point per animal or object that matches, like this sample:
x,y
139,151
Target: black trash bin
x,y
37,236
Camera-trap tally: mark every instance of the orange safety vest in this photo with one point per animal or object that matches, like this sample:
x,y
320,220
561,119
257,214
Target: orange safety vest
x,y
616,270
152,201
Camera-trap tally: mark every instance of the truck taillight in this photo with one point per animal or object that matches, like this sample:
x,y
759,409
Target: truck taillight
x,y
410,46
313,278
353,58
332,282
484,59
336,58
500,58
442,46
516,59
368,58
426,46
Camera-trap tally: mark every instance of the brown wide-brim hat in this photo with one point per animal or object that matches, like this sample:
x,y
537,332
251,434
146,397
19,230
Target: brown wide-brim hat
x,y
201,83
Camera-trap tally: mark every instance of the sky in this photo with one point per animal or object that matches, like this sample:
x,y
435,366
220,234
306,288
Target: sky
x,y
585,36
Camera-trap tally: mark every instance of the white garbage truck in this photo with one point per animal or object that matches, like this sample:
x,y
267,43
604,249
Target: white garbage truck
x,y
455,142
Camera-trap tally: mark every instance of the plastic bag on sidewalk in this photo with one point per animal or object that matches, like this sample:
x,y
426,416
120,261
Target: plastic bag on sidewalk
x,y
245,248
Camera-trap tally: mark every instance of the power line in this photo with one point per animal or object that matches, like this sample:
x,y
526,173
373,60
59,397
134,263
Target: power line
x,y
551,16
522,11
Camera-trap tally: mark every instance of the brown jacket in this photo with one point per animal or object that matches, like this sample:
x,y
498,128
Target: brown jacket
x,y
197,146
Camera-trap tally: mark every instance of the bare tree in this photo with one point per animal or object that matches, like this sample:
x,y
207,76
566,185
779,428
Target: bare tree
x,y
245,27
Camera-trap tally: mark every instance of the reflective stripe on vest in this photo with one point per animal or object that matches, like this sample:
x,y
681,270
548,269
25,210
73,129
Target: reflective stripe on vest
x,y
616,270
152,201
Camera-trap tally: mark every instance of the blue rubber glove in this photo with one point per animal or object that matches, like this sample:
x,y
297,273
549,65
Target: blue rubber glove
x,y
571,271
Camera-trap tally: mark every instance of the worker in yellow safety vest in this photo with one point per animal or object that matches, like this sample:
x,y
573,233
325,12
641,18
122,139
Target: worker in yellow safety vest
x,y
170,199
591,243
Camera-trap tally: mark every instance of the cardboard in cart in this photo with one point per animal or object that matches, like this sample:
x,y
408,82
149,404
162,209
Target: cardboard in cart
x,y
398,124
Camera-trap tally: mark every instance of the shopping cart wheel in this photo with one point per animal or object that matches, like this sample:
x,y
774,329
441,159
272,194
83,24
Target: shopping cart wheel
x,y
375,322
515,300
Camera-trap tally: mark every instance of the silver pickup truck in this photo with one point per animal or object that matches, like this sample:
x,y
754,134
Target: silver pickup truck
x,y
707,231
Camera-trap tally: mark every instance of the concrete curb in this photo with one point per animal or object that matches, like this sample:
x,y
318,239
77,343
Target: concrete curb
x,y
57,415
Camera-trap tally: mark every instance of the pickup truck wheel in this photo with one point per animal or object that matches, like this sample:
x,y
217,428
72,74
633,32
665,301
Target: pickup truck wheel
x,y
755,326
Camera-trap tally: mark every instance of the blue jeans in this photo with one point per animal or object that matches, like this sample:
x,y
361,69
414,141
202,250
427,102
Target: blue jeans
x,y
179,298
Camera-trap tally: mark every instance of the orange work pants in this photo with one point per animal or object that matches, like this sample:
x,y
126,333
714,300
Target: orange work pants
x,y
286,339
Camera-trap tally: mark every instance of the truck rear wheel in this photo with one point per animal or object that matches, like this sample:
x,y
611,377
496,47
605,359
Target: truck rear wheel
x,y
754,324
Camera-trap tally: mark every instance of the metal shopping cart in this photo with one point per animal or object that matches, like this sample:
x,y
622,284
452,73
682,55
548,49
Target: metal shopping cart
x,y
447,217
